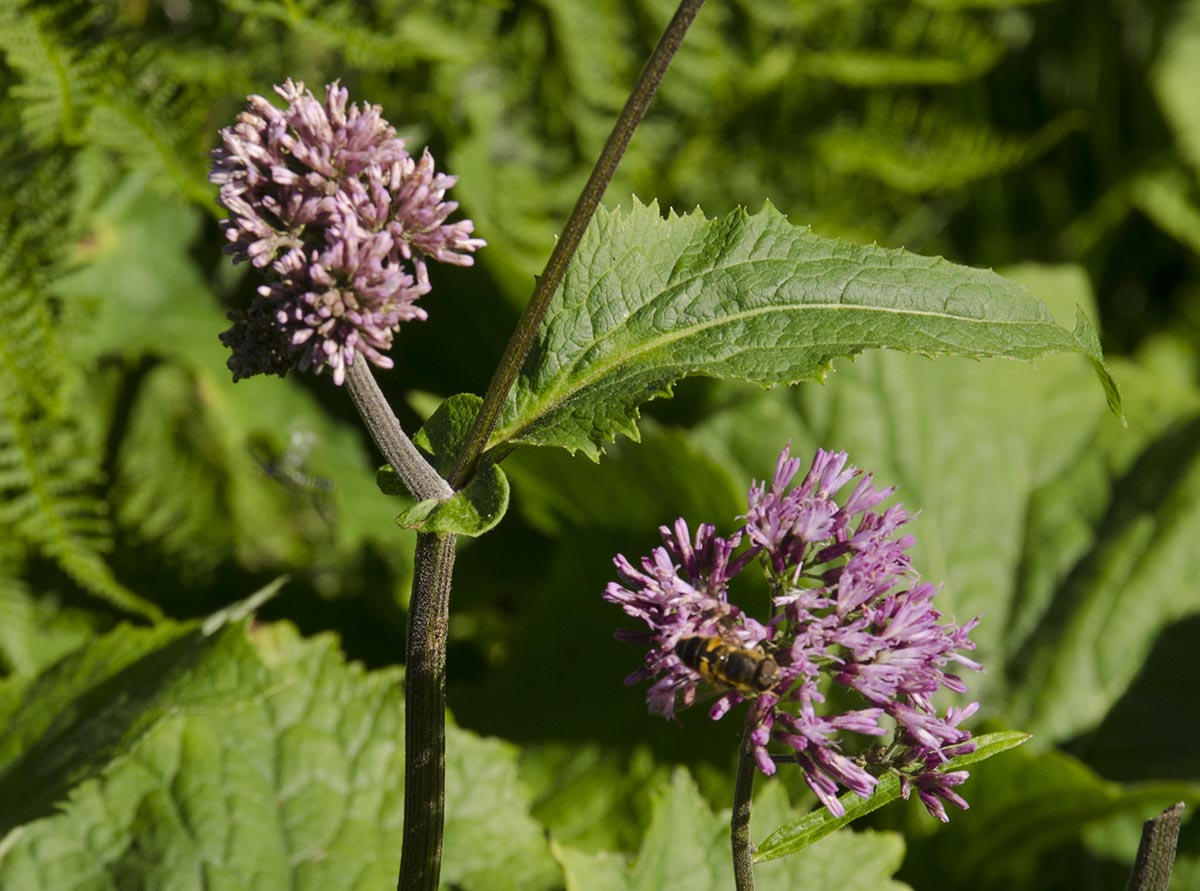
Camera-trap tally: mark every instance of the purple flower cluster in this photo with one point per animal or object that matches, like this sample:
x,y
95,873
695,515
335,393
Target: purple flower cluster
x,y
325,199
847,609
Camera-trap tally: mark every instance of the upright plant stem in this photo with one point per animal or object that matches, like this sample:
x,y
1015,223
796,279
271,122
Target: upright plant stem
x,y
425,680
1156,853
425,714
589,199
425,658
739,823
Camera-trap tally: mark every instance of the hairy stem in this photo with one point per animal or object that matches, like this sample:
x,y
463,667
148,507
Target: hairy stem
x,y
739,823
414,471
1156,853
589,199
425,714
425,657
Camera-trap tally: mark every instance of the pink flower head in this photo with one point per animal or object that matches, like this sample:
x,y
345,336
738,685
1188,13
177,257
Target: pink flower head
x,y
847,609
324,199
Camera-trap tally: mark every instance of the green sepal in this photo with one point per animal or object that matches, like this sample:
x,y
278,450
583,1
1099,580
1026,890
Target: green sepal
x,y
389,483
474,509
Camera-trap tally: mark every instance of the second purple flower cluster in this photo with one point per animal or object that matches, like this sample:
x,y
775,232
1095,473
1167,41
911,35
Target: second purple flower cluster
x,y
846,609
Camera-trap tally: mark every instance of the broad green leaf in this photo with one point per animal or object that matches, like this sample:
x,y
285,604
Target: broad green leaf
x,y
35,632
238,760
686,847
591,797
1169,197
637,486
477,507
799,834
1133,743
92,707
847,860
649,300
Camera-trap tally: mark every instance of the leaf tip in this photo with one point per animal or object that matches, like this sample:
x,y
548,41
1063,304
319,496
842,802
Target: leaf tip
x,y
1088,339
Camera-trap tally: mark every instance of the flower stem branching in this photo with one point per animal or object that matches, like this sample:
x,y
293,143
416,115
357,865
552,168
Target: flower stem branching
x,y
425,681
414,471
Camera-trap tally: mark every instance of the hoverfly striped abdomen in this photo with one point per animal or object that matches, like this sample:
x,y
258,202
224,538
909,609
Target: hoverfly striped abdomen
x,y
750,672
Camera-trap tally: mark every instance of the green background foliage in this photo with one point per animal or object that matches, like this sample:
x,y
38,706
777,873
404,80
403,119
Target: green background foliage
x,y
1057,141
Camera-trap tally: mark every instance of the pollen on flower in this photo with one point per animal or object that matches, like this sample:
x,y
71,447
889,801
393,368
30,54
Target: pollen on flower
x,y
847,609
324,199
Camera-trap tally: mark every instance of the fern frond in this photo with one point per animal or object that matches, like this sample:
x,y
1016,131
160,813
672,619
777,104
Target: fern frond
x,y
916,46
980,4
31,359
919,149
180,485
46,475
34,631
147,136
56,77
49,466
418,33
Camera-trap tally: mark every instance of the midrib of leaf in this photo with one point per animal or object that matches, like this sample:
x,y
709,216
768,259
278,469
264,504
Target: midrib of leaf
x,y
557,396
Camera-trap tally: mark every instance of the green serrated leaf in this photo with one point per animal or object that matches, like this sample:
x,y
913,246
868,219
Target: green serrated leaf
x,y
683,850
686,848
591,797
244,759
798,835
848,861
91,707
649,300
492,843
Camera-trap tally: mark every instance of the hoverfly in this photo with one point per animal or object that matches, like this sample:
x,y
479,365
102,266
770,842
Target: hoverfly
x,y
750,672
